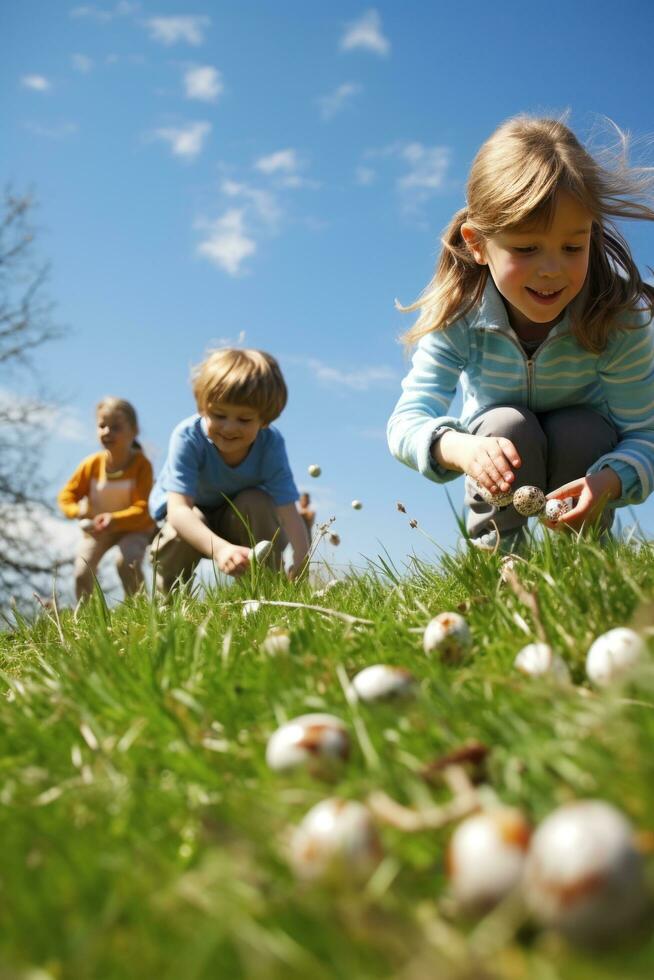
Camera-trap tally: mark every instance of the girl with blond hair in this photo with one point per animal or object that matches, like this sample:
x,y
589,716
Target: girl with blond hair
x,y
538,308
108,494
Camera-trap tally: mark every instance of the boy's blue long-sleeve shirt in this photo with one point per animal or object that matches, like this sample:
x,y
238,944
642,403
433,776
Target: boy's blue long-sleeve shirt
x,y
482,351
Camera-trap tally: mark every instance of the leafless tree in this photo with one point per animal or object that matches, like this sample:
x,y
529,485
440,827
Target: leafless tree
x,y
26,324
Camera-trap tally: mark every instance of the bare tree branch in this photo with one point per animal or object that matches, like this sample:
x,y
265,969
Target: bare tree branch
x,y
26,324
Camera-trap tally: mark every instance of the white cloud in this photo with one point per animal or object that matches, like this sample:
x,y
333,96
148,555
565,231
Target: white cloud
x,y
121,9
366,33
365,176
59,131
425,170
428,167
170,30
264,202
360,380
227,244
336,101
38,83
204,83
59,421
82,62
284,161
185,141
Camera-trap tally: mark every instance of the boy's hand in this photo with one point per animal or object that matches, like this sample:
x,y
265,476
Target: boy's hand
x,y
296,569
591,494
232,559
101,522
489,460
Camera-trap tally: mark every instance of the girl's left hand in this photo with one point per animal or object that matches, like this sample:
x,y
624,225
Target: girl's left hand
x,y
591,495
101,522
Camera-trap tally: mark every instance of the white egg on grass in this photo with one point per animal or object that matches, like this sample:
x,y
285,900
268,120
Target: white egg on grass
x,y
449,636
314,470
250,607
337,839
539,660
260,552
486,857
380,682
317,742
613,655
277,641
583,874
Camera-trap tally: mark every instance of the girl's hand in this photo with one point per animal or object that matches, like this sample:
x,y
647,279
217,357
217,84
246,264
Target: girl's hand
x,y
591,495
232,559
487,459
102,522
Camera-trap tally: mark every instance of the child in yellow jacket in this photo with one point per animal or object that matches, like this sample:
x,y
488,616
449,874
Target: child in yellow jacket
x,y
108,494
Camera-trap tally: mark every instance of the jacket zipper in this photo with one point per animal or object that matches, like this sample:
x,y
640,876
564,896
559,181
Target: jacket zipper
x,y
529,362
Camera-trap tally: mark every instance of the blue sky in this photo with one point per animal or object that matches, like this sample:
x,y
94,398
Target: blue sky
x,y
280,171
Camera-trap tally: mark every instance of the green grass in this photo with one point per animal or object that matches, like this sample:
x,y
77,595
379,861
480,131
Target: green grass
x,y
143,835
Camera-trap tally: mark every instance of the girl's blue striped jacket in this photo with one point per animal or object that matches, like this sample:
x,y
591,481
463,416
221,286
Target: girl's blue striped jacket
x,y
482,351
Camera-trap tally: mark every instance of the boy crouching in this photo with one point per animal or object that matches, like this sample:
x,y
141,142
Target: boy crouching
x,y
227,458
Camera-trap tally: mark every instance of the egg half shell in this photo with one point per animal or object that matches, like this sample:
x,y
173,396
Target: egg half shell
x,y
447,634
486,856
319,742
336,839
583,875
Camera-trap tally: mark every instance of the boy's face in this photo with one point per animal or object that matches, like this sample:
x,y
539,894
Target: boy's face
x,y
232,429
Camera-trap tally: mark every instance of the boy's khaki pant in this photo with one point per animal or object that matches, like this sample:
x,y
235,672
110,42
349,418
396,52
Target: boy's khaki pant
x,y
131,548
175,560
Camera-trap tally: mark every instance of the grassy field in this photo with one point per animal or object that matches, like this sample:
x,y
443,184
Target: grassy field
x,y
144,836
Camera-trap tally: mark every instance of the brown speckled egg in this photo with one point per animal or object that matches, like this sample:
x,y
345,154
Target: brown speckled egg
x,y
529,501
555,509
494,499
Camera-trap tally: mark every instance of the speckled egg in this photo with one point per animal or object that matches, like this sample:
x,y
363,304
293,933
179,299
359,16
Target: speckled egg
x,y
529,501
539,660
337,839
498,499
583,875
555,509
320,742
379,682
447,634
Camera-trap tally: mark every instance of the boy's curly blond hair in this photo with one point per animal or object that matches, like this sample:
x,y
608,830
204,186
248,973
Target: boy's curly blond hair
x,y
241,377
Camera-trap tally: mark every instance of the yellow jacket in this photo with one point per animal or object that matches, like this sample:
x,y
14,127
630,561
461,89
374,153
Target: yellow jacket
x,y
123,494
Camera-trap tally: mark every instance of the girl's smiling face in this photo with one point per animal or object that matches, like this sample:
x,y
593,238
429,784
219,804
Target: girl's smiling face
x,y
538,270
115,432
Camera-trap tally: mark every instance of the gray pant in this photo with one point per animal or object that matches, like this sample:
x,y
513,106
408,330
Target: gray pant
x,y
131,548
555,448
175,560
